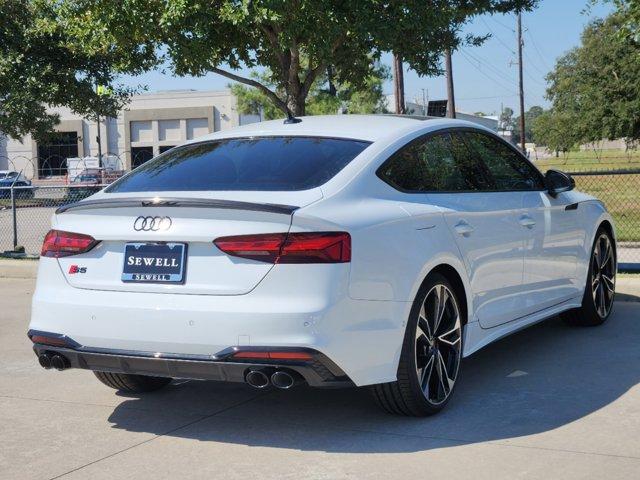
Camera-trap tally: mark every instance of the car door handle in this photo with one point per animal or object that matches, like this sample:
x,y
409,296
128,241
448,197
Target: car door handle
x,y
463,228
527,221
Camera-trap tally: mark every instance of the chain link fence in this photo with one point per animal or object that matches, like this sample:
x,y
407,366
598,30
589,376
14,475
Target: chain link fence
x,y
620,192
28,201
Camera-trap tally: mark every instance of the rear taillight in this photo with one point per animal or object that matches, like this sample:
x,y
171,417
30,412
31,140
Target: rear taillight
x,y
307,247
63,244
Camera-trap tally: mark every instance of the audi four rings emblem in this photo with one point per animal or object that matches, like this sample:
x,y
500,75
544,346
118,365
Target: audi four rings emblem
x,y
151,224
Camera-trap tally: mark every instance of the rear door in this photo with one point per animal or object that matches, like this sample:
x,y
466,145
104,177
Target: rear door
x,y
483,223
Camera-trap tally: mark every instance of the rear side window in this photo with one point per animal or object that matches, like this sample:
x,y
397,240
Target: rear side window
x,y
264,163
435,163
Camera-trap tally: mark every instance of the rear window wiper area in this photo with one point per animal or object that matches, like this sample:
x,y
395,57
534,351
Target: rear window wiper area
x,y
177,202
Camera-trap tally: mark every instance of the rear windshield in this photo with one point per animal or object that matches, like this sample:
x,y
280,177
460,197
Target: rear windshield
x,y
266,163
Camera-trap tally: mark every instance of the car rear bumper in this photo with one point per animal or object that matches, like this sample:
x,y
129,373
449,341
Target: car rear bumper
x,y
363,338
317,371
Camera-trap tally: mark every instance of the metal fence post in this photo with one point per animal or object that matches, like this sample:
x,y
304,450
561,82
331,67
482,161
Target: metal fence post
x,y
15,219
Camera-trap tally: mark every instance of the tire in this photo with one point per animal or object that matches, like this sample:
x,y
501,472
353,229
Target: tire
x,y
599,292
124,382
420,388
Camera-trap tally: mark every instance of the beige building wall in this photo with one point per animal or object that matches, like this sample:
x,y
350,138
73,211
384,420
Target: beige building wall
x,y
154,120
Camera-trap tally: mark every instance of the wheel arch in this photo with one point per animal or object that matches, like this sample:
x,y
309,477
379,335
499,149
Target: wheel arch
x,y
452,274
608,227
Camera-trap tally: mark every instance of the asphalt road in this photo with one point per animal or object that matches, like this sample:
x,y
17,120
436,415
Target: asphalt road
x,y
549,402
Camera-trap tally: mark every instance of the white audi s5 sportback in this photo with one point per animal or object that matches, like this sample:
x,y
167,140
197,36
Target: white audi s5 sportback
x,y
333,251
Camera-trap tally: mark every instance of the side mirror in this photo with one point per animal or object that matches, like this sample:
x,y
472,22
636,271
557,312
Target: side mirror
x,y
558,182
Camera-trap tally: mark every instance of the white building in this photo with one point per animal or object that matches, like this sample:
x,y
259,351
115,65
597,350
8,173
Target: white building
x,y
413,108
149,125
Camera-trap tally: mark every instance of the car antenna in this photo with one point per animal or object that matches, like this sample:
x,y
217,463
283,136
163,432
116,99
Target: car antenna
x,y
291,119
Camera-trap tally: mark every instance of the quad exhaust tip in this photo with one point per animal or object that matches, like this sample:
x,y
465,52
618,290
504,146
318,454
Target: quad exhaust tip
x,y
44,359
47,360
257,379
281,379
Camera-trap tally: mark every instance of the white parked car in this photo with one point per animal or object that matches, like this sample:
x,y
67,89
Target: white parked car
x,y
337,251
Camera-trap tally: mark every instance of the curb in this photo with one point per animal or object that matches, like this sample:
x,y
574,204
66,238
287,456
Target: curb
x,y
18,268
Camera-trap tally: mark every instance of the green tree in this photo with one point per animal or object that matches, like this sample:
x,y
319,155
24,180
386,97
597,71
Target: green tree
x,y
506,119
325,97
555,131
294,41
596,84
529,118
41,64
629,10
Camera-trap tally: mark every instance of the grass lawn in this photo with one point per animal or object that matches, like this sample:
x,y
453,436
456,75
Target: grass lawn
x,y
620,193
592,160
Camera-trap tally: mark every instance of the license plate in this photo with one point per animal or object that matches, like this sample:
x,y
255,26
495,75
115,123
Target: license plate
x,y
154,262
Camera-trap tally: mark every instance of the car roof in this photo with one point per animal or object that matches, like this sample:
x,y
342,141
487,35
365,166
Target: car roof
x,y
369,128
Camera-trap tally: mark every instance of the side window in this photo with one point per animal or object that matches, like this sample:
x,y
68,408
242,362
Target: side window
x,y
508,170
438,163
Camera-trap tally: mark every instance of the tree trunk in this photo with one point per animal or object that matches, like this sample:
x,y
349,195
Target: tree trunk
x,y
296,104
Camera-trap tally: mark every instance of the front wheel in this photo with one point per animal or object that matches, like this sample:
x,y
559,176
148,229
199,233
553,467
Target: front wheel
x,y
431,353
599,293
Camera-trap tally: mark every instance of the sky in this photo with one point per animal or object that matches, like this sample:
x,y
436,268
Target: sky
x,y
485,77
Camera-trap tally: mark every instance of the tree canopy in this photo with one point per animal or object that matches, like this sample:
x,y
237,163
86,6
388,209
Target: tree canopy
x,y
291,42
594,88
325,96
41,64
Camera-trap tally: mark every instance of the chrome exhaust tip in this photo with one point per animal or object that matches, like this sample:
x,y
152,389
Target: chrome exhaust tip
x,y
59,362
256,379
44,359
283,380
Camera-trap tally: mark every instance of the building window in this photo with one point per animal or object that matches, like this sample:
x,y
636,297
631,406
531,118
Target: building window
x,y
140,155
164,148
53,154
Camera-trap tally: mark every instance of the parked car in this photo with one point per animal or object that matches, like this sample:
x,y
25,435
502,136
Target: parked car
x,y
341,250
85,184
10,179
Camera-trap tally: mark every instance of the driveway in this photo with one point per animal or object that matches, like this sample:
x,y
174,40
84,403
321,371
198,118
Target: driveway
x,y
549,402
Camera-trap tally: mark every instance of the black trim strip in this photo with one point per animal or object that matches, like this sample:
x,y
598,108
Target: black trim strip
x,y
178,202
573,206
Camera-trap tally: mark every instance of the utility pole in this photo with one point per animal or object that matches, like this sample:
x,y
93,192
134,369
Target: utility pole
x,y
398,82
451,100
99,139
521,85
424,103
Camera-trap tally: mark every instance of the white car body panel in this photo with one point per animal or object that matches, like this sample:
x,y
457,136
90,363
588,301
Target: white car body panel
x,y
355,313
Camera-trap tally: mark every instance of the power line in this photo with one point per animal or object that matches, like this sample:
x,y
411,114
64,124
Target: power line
x,y
532,63
477,67
499,73
488,98
535,46
502,24
503,43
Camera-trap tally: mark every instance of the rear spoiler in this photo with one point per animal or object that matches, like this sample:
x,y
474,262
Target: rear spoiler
x,y
177,202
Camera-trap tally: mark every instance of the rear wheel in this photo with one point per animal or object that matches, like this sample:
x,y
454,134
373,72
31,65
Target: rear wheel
x,y
132,383
601,283
431,353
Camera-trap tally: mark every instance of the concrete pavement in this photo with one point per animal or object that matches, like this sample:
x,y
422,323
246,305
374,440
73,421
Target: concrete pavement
x,y
549,402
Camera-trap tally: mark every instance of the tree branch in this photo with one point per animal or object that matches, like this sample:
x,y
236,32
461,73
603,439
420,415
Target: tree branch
x,y
248,81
